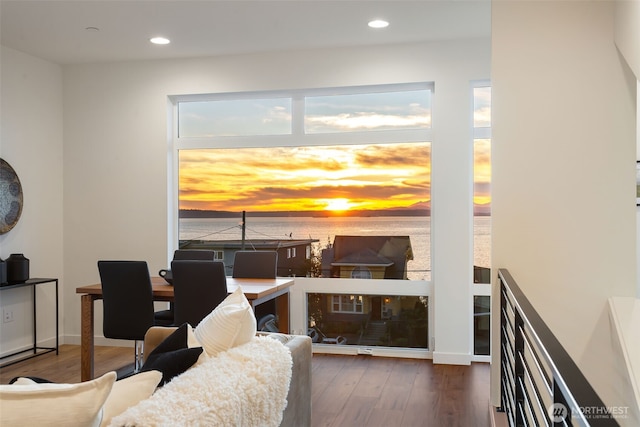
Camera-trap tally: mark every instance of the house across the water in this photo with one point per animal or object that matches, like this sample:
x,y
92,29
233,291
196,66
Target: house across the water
x,y
367,257
294,255
387,320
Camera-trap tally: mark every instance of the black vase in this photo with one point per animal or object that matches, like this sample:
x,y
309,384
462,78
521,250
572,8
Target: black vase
x,y
3,272
17,268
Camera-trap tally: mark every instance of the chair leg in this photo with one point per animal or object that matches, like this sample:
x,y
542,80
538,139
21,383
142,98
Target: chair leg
x,y
139,356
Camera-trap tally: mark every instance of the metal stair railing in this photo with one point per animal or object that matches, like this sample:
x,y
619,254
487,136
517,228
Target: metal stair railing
x,y
540,383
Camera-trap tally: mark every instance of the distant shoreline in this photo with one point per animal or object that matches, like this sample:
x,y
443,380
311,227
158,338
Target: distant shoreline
x,y
196,213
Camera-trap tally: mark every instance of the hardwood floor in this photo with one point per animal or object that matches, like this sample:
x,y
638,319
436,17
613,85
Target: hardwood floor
x,y
347,391
65,367
373,391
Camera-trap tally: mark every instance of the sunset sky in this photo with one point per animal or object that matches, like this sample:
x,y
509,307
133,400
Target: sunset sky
x,y
336,178
482,146
305,178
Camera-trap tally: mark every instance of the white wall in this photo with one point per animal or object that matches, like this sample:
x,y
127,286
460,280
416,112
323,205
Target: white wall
x,y
564,153
627,32
115,163
31,141
627,39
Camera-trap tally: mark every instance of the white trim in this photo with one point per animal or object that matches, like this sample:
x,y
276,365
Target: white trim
x,y
452,358
98,340
353,350
302,140
481,358
173,239
300,93
481,290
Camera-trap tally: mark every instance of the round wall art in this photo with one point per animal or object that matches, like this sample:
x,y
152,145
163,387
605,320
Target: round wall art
x,y
10,197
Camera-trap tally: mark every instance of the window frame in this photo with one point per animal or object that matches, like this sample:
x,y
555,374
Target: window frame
x,y
361,272
351,307
477,289
299,315
298,137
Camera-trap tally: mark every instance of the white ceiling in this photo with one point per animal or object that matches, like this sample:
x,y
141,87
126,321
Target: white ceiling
x,y
57,30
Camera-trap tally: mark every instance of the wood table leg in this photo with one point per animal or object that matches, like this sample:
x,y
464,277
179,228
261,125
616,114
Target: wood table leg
x,y
86,337
282,311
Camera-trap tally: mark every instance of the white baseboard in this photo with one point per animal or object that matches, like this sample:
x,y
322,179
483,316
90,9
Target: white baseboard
x,y
498,419
75,340
451,358
47,342
353,350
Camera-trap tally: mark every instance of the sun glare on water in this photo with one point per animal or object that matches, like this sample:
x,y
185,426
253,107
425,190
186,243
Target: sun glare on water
x,y
337,205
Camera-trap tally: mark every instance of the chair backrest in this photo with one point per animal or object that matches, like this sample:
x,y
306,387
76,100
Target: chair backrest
x,y
255,264
194,254
198,287
127,299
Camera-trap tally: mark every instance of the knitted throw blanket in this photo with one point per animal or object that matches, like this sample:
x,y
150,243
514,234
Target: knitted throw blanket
x,y
244,386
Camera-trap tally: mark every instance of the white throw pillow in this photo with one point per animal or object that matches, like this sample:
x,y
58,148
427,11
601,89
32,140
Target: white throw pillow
x,y
125,393
192,341
230,324
128,392
24,381
51,404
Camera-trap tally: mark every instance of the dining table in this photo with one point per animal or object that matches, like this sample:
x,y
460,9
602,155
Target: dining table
x,y
257,291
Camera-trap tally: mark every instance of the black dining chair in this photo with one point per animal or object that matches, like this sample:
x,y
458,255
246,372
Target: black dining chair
x,y
259,265
127,303
193,254
167,316
199,286
255,264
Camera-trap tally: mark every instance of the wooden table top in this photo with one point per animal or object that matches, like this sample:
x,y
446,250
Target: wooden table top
x,y
252,288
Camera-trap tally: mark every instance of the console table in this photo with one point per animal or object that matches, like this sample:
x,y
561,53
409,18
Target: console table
x,y
36,350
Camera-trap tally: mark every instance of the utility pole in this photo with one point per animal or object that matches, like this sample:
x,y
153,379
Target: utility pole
x,y
243,228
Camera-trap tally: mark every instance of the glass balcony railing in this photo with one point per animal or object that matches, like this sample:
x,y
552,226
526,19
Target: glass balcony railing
x,y
368,320
481,325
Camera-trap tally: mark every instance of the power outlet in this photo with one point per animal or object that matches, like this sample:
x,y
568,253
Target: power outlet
x,y
7,316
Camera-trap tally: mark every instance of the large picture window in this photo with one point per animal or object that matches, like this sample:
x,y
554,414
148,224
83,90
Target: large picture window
x,y
482,217
482,183
342,175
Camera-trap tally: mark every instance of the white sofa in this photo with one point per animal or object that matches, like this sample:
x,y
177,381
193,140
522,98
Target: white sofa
x,y
255,366
220,373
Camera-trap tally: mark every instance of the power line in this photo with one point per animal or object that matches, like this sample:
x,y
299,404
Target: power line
x,y
214,232
263,234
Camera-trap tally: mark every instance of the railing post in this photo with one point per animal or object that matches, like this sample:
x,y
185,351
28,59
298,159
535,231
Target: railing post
x,y
503,353
518,375
561,412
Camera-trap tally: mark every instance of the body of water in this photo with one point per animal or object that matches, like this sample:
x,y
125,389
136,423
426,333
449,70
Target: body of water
x,y
325,229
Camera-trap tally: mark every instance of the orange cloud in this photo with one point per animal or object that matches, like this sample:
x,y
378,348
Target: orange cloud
x,y
299,178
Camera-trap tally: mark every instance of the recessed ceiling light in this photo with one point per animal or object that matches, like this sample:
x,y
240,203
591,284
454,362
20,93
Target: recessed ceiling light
x,y
160,40
378,23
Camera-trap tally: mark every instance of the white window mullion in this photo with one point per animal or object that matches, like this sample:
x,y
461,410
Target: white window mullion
x,y
297,112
